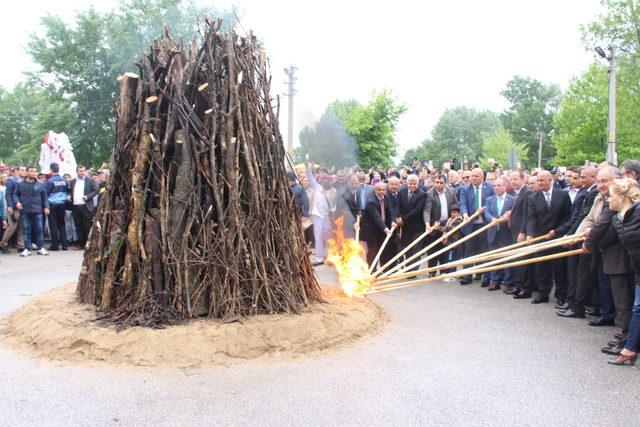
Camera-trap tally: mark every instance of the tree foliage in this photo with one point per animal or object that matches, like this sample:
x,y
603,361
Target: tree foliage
x,y
349,131
531,110
497,144
459,133
80,61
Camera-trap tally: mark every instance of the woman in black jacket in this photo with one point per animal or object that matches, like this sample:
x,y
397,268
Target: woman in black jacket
x,y
625,199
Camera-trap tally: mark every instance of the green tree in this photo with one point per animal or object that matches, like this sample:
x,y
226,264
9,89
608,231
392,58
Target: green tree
x,y
619,25
80,62
28,113
497,144
459,133
373,126
533,105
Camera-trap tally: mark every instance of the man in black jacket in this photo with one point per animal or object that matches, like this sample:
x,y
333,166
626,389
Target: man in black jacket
x,y
409,214
81,195
437,211
31,201
523,275
376,223
548,213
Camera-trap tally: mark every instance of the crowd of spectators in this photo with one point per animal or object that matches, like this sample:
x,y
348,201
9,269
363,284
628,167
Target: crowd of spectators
x,y
34,206
599,201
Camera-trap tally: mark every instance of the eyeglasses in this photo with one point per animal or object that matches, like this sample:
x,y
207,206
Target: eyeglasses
x,y
465,177
604,181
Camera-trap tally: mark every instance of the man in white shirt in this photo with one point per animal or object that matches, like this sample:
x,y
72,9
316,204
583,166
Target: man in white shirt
x,y
322,207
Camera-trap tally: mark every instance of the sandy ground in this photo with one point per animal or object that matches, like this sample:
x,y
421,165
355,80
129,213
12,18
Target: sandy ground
x,y
54,326
450,355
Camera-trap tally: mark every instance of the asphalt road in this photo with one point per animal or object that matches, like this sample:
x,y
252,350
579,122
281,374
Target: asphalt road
x,y
451,355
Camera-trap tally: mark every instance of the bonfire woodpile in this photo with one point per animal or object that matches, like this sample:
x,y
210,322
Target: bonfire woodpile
x,y
197,218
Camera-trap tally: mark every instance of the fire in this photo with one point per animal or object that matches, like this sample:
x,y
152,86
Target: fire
x,y
348,257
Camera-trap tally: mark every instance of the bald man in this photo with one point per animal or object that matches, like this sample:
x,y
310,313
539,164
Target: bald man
x,y
548,213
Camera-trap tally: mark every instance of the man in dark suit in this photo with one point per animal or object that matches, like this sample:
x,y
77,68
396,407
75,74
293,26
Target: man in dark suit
x,y
548,213
409,214
393,195
437,210
472,198
81,195
497,208
376,223
517,220
582,277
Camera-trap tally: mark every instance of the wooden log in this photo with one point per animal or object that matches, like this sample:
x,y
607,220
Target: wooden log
x,y
490,266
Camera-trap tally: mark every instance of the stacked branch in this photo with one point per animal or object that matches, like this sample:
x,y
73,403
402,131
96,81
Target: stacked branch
x,y
197,218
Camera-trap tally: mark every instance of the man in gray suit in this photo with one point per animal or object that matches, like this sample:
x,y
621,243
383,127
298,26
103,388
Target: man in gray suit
x,y
437,210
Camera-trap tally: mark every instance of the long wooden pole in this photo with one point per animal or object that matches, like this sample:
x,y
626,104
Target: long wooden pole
x,y
358,229
451,246
431,245
384,244
477,269
402,252
496,253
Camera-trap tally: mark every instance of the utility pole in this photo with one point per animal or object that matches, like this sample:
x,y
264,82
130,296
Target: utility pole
x,y
290,72
612,155
540,150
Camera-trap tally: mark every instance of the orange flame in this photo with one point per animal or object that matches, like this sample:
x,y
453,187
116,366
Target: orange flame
x,y
348,257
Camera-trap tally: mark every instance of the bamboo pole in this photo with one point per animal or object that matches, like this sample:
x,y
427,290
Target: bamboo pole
x,y
477,269
402,252
358,228
431,245
496,253
384,244
452,245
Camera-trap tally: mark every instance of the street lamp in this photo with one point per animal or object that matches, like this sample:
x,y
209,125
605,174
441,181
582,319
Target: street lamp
x,y
612,156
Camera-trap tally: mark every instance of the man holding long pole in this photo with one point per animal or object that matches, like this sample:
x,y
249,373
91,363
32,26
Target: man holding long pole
x,y
376,223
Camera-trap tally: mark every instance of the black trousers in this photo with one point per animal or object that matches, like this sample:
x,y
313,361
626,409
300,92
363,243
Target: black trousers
x,y
57,226
572,278
475,246
623,290
82,218
549,272
440,259
374,243
586,282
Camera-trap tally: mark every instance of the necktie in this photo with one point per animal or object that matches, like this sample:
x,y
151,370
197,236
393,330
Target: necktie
x,y
500,204
477,198
382,209
547,196
410,194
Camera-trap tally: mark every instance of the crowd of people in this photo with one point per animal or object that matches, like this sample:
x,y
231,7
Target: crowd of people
x,y
598,201
33,205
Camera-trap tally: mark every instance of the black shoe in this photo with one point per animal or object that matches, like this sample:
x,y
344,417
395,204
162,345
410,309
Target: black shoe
x,y
510,290
564,306
484,285
613,350
540,299
465,281
477,277
590,311
65,248
4,249
601,322
570,314
522,295
53,248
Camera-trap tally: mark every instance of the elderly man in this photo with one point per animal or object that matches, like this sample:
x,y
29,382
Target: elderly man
x,y
437,210
454,179
409,213
322,207
548,213
472,198
584,289
376,223
498,208
393,195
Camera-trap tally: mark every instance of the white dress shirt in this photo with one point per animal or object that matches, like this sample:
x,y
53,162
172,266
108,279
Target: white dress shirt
x,y
78,192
